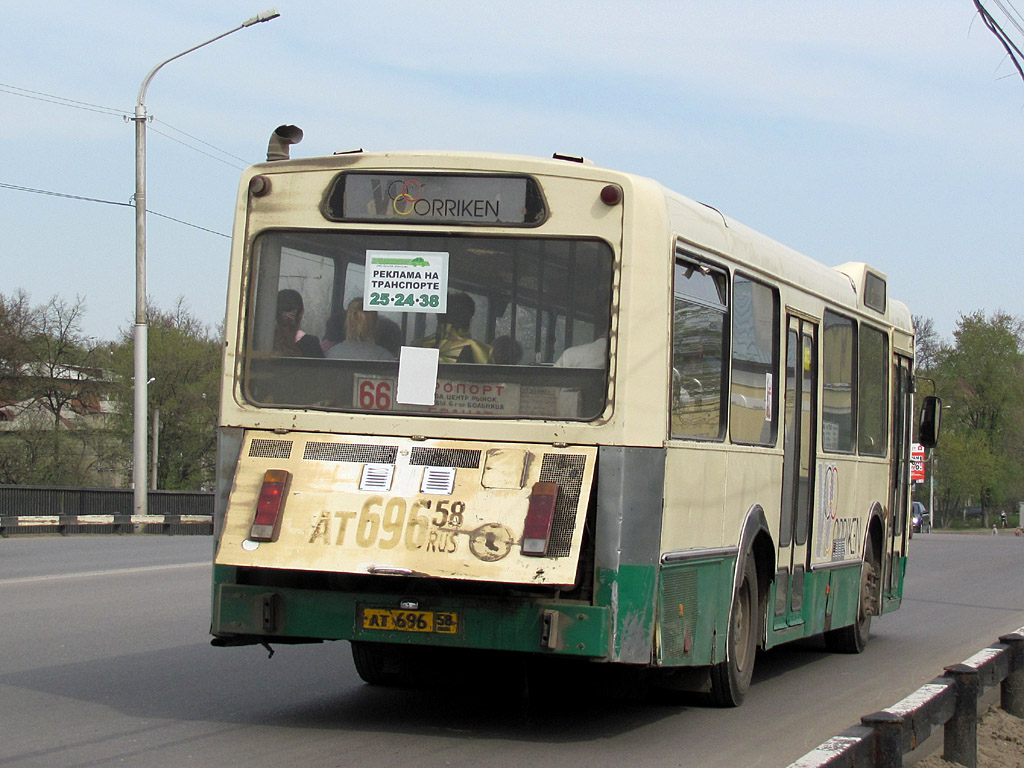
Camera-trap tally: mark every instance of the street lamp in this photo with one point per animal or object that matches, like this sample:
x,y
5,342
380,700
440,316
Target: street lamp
x,y
933,461
141,328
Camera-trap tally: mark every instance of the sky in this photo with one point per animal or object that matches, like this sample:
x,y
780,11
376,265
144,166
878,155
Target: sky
x,y
872,131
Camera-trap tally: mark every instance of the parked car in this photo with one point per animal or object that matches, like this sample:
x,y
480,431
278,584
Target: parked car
x,y
920,519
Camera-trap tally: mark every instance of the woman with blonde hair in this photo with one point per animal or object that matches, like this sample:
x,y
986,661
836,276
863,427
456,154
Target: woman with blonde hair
x,y
360,336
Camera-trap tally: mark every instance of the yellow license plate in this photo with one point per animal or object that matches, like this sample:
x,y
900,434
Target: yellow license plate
x,y
398,620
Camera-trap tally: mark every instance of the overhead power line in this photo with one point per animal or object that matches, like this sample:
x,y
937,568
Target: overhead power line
x,y
62,101
196,149
63,194
59,100
1009,15
1011,48
186,223
17,188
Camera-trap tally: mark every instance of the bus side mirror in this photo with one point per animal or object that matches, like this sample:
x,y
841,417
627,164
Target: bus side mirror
x,y
931,416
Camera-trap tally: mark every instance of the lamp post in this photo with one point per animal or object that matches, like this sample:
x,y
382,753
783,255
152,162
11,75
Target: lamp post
x,y
931,489
140,333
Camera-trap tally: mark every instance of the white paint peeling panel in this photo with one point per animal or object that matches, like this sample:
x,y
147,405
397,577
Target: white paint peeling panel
x,y
433,515
981,657
39,520
917,699
820,755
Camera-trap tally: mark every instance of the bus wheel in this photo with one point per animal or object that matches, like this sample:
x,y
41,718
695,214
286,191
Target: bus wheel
x,y
854,638
379,663
730,679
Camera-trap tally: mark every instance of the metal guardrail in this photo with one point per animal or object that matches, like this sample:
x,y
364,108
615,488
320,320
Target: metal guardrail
x,y
68,511
882,738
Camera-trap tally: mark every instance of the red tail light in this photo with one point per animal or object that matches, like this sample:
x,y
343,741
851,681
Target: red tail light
x,y
539,516
270,505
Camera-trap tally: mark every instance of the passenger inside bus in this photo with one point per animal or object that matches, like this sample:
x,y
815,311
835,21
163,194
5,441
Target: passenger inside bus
x,y
360,336
452,339
389,336
507,351
334,330
289,338
593,354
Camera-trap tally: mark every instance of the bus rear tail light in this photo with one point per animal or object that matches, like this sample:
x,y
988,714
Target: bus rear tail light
x,y
270,505
539,517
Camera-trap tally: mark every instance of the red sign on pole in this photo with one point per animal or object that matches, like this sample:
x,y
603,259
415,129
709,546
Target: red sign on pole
x,y
917,463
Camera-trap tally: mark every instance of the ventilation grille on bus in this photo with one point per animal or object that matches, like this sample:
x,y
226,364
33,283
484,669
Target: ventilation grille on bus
x,y
567,471
678,610
270,449
361,454
377,477
439,480
838,550
461,458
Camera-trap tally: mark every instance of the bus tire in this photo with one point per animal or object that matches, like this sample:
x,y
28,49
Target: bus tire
x,y
378,663
730,679
854,638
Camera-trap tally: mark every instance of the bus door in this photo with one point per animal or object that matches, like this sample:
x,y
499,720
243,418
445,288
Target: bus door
x,y
800,414
899,483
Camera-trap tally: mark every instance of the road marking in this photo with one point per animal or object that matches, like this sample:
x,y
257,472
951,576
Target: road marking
x,y
110,572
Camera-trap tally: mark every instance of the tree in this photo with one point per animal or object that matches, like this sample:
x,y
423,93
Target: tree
x,y
52,390
63,361
184,362
17,326
967,466
927,344
981,379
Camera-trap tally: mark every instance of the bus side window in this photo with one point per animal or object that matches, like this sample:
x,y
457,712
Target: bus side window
x,y
699,343
753,417
839,390
873,392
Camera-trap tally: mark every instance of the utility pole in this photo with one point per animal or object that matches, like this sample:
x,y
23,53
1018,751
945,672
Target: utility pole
x,y
141,330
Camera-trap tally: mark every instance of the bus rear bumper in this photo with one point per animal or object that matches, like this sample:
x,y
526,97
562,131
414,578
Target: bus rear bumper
x,y
246,614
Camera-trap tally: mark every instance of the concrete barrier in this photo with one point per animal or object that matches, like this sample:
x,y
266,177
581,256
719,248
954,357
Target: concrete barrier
x,y
67,525
882,738
67,511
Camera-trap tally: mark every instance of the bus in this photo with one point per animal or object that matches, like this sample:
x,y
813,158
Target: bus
x,y
538,407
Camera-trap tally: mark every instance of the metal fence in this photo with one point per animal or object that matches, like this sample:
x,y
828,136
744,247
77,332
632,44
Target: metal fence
x,y
950,701
35,510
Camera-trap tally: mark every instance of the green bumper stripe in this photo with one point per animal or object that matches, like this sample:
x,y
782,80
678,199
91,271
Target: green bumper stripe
x,y
270,613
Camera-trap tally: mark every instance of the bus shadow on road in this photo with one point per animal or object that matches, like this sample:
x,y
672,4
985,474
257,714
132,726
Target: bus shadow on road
x,y
315,687
782,660
461,695
492,697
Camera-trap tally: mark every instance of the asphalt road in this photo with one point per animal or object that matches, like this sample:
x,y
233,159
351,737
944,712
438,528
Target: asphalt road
x,y
105,661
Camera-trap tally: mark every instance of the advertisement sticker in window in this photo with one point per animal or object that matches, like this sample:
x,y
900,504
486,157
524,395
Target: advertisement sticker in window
x,y
406,281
